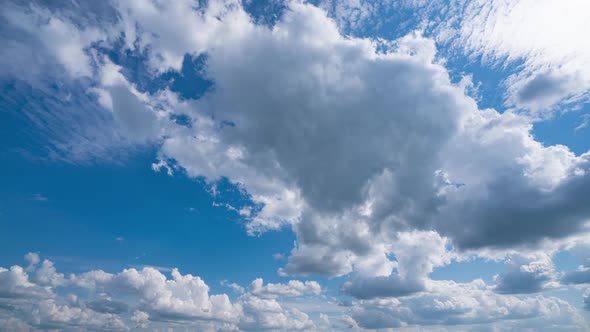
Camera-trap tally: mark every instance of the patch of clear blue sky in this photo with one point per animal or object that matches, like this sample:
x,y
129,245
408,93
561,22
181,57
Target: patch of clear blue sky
x,y
562,130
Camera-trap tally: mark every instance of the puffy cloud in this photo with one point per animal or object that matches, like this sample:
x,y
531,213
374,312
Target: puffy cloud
x,y
140,319
326,181
31,301
47,275
417,253
169,31
15,283
526,275
151,298
520,198
261,314
450,303
184,297
33,259
292,288
48,314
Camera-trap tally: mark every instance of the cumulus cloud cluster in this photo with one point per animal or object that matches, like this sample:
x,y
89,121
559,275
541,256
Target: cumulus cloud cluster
x,y
451,303
382,166
40,297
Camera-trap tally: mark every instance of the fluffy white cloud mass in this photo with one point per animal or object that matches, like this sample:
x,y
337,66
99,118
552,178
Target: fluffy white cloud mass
x,y
146,298
451,303
381,165
97,300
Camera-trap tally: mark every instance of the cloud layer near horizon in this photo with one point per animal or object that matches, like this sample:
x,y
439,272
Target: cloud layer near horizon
x,y
41,297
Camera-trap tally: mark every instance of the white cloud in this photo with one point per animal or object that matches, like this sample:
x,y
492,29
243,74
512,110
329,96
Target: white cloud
x,y
292,288
33,302
46,275
183,297
547,36
526,275
152,298
169,31
33,259
15,283
542,39
450,303
140,319
260,314
48,314
417,253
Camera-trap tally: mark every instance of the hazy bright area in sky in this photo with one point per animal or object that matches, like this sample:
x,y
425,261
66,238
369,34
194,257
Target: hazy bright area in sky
x,y
321,165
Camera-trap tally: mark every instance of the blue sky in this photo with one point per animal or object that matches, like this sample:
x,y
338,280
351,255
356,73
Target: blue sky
x,y
289,165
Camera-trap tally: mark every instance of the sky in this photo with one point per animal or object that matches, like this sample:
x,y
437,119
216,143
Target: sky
x,y
321,165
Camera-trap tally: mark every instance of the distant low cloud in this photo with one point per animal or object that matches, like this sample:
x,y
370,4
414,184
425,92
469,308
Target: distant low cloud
x,y
450,303
524,275
33,300
579,276
146,298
